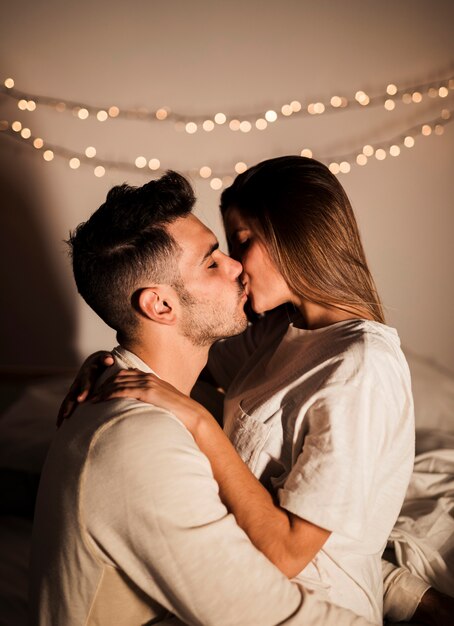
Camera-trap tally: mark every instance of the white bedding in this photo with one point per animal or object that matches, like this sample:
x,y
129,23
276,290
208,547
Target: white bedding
x,y
423,537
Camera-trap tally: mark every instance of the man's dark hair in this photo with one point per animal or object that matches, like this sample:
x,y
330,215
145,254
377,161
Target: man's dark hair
x,y
125,246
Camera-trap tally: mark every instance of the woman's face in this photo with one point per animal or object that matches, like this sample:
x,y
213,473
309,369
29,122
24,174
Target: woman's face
x,y
264,284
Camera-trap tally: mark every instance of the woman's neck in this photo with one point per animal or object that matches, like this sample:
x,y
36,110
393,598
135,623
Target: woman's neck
x,y
318,315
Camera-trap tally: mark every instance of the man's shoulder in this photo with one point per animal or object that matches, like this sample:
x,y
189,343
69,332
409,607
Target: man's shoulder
x,y
130,421
144,447
119,430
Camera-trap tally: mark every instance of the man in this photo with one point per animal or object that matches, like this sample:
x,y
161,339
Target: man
x,y
129,527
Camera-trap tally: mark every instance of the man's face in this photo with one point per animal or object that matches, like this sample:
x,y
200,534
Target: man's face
x,y
211,294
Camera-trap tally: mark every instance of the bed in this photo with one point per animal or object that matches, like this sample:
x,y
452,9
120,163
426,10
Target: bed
x,y
422,540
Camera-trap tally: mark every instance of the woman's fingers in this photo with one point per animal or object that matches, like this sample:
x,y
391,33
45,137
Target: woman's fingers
x,y
84,382
66,409
106,390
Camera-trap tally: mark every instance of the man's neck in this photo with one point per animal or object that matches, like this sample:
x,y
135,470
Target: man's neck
x,y
174,359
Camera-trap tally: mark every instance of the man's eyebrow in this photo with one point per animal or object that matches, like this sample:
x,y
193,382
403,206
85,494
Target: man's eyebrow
x,y
209,252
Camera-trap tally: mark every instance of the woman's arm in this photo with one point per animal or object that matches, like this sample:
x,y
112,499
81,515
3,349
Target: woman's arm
x,y
287,540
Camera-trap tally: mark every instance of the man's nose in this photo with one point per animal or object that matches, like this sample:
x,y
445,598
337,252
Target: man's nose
x,y
235,268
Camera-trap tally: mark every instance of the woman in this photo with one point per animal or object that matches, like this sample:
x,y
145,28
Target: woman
x,y
318,403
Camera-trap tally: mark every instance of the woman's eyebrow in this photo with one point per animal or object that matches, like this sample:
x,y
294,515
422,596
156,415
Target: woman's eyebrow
x,y
209,252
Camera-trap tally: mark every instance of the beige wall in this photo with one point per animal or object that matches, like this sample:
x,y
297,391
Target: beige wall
x,y
234,57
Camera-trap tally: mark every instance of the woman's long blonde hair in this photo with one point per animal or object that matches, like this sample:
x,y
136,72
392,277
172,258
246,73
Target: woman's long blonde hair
x,y
304,216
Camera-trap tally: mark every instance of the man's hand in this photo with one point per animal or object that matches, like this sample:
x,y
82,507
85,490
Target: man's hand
x,y
90,371
435,609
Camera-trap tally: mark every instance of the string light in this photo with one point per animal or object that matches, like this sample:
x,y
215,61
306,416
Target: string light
x,y
216,183
344,167
261,124
154,164
389,104
337,165
245,123
362,98
361,159
407,139
245,126
141,162
205,172
208,126
296,106
191,128
271,116
240,167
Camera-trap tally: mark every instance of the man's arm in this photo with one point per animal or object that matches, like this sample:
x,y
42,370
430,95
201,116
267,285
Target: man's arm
x,y
153,510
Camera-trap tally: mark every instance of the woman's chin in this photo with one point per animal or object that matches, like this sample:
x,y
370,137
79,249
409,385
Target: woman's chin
x,y
258,307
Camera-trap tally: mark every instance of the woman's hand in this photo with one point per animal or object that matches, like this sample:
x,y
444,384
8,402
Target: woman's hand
x,y
147,387
90,371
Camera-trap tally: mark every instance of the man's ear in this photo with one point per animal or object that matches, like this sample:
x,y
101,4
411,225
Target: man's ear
x,y
157,304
